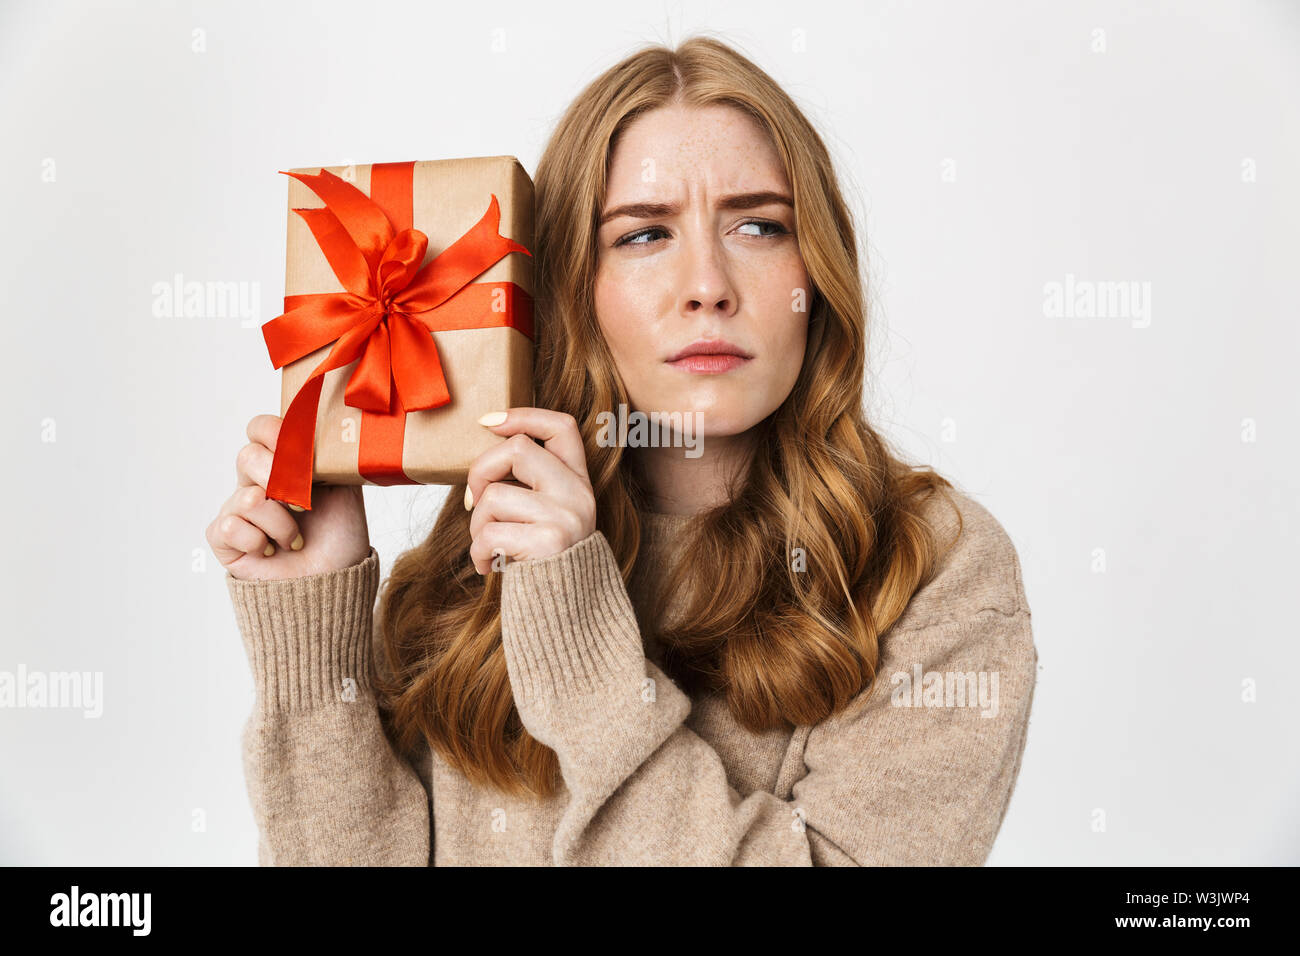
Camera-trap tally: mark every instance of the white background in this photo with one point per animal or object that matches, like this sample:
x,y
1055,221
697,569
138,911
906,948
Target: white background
x,y
1078,434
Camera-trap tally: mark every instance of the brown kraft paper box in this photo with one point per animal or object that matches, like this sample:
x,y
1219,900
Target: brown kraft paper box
x,y
487,370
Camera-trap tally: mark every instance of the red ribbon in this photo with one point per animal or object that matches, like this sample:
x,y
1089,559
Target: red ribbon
x,y
385,317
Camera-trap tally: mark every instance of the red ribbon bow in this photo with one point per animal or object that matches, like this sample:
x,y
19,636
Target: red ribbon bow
x,y
386,317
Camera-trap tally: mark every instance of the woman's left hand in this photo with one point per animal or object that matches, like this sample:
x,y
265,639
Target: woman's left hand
x,y
550,504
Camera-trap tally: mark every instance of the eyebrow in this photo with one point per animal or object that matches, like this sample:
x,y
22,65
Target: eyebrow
x,y
656,210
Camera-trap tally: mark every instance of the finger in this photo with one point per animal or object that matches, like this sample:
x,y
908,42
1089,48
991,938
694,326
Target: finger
x,y
516,504
250,503
491,541
233,537
517,542
557,431
523,459
253,465
504,501
265,429
245,498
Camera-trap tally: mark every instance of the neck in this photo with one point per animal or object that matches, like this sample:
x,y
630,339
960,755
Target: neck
x,y
678,485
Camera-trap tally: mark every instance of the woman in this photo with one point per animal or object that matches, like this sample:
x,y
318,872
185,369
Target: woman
x,y
634,653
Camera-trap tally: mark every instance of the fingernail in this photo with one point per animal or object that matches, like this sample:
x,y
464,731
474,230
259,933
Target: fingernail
x,y
270,550
297,543
297,508
492,418
469,498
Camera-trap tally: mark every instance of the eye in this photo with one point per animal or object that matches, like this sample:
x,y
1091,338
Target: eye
x,y
780,229
630,238
634,238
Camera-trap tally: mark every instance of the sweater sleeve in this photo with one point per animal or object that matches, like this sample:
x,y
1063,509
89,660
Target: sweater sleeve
x,y
325,782
883,784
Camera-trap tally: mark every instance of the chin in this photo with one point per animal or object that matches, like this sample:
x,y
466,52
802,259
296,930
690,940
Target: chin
x,y
716,423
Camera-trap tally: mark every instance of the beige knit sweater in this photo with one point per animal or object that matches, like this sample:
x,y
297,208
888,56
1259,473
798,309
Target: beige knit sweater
x,y
921,776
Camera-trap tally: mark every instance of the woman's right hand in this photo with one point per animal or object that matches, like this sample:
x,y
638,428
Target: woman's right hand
x,y
333,534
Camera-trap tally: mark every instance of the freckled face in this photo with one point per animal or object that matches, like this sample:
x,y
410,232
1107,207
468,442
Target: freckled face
x,y
694,262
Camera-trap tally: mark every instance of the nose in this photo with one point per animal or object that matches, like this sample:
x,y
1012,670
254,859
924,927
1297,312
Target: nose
x,y
706,284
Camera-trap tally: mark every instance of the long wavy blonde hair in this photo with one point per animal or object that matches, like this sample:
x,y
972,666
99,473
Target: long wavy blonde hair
x,y
785,646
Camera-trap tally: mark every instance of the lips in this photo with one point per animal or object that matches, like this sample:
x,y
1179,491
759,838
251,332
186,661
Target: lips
x,y
710,347
709,364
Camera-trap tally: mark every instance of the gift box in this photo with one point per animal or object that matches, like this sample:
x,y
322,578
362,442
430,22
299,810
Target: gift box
x,y
408,316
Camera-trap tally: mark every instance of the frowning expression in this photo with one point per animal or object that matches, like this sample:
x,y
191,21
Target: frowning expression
x,y
697,245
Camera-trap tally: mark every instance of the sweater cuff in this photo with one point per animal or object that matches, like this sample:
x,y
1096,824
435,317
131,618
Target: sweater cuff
x,y
567,624
306,637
